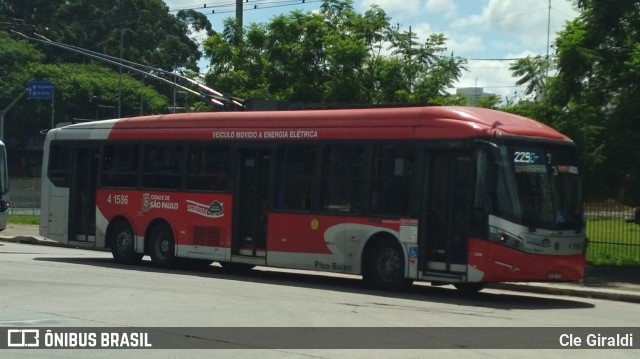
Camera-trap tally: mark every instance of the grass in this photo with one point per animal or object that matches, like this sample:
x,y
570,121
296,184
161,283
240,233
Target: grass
x,y
613,241
615,230
24,219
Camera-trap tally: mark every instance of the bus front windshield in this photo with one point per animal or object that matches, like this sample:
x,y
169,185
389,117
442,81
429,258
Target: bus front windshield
x,y
539,186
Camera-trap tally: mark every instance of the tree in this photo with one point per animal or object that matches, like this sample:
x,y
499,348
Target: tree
x,y
490,101
332,56
533,72
373,28
426,70
15,57
82,92
143,31
598,84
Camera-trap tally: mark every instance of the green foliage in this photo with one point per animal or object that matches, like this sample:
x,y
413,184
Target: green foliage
x,y
491,101
597,59
533,72
612,242
15,58
81,91
23,219
143,31
332,56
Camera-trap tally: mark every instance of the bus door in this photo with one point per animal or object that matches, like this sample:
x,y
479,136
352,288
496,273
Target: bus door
x,y
251,202
447,211
82,197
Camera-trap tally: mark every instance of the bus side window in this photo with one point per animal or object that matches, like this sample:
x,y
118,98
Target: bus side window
x,y
392,177
343,168
161,166
294,177
207,167
119,165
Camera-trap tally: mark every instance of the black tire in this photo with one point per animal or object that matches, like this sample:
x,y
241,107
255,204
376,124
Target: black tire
x,y
385,269
163,246
469,288
122,241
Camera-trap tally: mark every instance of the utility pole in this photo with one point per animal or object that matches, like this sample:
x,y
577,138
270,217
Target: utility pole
x,y
142,95
548,32
239,13
120,90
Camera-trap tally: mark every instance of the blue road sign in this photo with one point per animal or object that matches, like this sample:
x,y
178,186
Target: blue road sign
x,y
40,90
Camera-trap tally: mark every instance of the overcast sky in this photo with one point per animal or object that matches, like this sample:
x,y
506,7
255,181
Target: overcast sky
x,y
482,31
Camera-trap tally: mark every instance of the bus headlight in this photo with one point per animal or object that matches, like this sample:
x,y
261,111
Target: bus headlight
x,y
4,205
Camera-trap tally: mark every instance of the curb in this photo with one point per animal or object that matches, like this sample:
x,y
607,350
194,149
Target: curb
x,y
592,293
581,292
41,242
21,239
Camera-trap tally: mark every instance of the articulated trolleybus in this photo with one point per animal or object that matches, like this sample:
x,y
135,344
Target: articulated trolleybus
x,y
449,195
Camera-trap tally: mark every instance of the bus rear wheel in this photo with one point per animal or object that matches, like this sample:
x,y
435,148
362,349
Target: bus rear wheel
x,y
162,246
122,243
385,269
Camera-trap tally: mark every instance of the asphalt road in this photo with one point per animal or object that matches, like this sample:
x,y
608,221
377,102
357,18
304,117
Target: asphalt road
x,y
45,286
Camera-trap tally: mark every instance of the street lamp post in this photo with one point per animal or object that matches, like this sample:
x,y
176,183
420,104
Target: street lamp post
x,y
3,112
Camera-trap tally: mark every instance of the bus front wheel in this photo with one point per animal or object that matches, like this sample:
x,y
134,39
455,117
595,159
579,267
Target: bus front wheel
x,y
162,246
123,244
385,269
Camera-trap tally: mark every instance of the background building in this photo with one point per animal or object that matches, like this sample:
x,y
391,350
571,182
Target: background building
x,y
473,94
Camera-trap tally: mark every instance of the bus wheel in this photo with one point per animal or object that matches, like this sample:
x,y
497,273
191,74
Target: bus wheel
x,y
386,267
123,244
469,288
162,246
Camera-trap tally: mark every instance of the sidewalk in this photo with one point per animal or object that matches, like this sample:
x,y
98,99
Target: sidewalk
x,y
610,283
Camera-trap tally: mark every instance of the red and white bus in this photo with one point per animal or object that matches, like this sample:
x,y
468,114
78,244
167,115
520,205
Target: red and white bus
x,y
456,195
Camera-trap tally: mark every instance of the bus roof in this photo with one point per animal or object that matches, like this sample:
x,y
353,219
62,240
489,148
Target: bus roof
x,y
372,123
